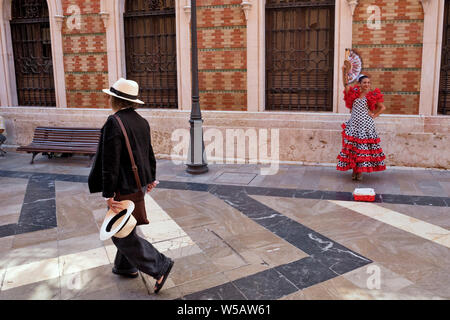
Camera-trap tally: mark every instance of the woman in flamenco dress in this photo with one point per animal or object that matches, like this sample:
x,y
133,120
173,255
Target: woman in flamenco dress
x,y
361,150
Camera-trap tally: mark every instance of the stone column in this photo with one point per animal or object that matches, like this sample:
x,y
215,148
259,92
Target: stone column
x,y
183,18
56,18
256,60
431,56
343,39
8,89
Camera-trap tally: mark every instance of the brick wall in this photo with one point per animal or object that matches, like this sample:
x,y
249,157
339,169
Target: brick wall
x,y
85,57
392,55
222,55
222,43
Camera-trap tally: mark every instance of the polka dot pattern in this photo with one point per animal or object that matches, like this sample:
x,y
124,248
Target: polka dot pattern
x,y
361,149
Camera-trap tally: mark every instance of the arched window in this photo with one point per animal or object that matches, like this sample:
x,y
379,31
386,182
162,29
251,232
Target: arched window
x,y
30,34
299,55
150,50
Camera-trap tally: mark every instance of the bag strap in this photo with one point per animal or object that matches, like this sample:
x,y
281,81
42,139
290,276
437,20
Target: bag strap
x,y
133,164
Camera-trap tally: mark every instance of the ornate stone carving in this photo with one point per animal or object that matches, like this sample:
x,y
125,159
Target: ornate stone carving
x,y
105,11
59,19
246,6
425,4
352,4
187,10
105,17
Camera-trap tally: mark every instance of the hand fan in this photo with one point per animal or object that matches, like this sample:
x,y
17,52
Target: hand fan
x,y
353,64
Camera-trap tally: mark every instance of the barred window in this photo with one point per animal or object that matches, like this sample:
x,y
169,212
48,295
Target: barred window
x,y
299,55
150,49
444,87
30,33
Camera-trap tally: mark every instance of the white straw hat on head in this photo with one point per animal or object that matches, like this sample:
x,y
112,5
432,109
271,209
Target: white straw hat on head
x,y
125,89
119,224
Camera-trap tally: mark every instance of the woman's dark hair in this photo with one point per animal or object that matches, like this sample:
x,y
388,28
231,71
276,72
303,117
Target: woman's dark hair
x,y
120,104
361,78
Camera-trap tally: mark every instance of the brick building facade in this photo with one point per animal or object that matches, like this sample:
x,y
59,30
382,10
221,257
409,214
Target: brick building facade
x,y
222,55
392,54
402,55
85,54
222,42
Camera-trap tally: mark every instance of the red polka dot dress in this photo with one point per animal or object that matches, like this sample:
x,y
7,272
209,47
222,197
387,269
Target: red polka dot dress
x,y
361,150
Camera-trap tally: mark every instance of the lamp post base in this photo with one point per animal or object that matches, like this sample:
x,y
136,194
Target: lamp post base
x,y
197,168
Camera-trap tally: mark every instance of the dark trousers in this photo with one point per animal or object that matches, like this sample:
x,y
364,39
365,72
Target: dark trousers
x,y
2,140
135,253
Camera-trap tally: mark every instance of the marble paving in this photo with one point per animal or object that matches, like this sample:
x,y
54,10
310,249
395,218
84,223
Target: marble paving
x,y
234,234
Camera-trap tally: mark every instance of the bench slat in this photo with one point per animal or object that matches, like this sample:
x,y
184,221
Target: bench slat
x,y
61,145
74,151
43,140
56,150
81,134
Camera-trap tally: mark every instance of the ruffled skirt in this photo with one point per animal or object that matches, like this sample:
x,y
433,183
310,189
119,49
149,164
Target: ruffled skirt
x,y
361,150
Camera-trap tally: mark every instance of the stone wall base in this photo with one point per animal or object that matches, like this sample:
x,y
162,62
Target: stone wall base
x,y
310,138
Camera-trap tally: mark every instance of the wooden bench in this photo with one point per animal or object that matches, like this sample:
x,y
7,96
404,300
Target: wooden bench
x,y
51,140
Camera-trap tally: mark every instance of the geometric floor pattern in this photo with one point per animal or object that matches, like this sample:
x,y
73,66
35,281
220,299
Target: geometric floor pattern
x,y
326,258
229,241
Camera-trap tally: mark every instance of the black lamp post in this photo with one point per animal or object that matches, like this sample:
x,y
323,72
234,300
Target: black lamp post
x,y
196,162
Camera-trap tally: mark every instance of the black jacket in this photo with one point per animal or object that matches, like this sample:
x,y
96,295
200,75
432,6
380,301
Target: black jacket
x,y
111,171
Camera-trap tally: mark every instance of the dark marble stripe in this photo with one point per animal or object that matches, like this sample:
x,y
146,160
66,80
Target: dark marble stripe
x,y
266,285
175,185
8,230
39,206
227,291
416,200
69,178
15,174
262,191
38,210
306,272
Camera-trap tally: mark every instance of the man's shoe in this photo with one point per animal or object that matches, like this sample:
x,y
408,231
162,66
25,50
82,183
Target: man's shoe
x,y
125,273
158,286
